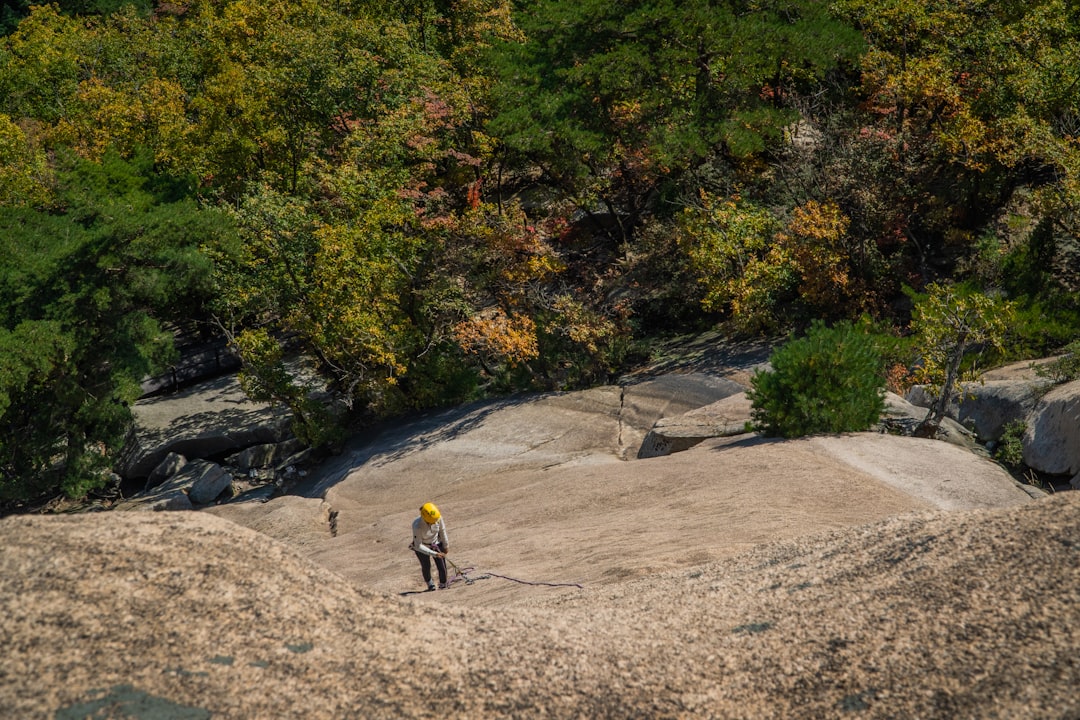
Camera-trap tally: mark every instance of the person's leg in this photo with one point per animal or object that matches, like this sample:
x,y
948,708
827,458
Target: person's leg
x,y
440,563
425,566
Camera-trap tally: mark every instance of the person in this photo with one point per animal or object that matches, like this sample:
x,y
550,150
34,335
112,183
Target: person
x,y
430,541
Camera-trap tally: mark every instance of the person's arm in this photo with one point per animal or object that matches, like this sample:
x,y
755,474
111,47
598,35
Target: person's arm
x,y
444,541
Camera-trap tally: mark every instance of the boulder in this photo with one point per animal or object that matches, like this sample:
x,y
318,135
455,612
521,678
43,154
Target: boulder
x,y
265,455
198,483
722,418
904,417
168,467
649,400
206,420
166,496
987,407
1052,439
208,480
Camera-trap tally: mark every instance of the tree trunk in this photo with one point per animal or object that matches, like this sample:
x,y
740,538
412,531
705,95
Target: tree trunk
x,y
929,426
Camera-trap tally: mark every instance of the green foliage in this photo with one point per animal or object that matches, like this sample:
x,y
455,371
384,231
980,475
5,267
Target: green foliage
x,y
762,163
1010,448
264,377
1043,325
13,11
83,294
24,175
1065,367
612,100
955,325
39,65
829,381
731,249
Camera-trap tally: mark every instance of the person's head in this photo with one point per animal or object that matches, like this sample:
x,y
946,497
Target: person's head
x,y
429,513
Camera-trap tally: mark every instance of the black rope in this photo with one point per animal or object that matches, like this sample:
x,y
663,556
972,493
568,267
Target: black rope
x,y
529,582
469,581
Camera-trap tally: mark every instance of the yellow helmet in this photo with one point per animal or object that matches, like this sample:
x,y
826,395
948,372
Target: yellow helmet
x,y
430,513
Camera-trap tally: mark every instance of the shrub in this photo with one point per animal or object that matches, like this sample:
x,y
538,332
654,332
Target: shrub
x,y
829,381
1010,449
1065,368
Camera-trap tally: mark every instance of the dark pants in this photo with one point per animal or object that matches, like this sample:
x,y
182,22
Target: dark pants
x,y
425,567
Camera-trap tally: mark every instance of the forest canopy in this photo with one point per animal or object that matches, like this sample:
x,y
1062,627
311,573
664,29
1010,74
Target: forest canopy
x,y
433,200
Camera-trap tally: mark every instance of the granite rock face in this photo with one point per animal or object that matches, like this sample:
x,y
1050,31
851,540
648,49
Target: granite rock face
x,y
188,615
1052,438
987,407
207,420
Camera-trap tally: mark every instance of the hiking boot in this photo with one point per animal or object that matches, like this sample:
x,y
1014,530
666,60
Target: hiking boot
x,y
443,586
430,586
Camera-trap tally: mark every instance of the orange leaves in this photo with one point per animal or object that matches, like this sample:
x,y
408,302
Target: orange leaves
x,y
815,235
496,336
750,264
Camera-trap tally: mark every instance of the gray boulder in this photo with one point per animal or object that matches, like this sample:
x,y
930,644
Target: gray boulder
x,y
987,407
167,496
265,455
722,418
198,483
1052,439
168,467
207,481
209,419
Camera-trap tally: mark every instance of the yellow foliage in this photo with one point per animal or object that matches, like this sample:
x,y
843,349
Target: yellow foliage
x,y
23,170
584,327
148,114
499,337
815,235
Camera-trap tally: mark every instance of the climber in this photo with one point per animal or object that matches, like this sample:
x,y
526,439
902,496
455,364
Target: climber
x,y
430,541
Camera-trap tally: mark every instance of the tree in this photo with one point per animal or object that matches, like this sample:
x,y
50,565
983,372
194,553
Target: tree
x,y
85,292
24,173
731,245
950,323
977,100
829,381
613,100
39,65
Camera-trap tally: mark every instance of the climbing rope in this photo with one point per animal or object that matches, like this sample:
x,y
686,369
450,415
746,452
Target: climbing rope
x,y
463,575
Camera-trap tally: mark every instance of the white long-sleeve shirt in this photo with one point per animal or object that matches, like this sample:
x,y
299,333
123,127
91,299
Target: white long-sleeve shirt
x,y
424,535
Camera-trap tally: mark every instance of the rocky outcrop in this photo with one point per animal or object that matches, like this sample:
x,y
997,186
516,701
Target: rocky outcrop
x,y
732,415
1050,415
904,418
208,420
172,464
723,418
198,482
1052,438
987,407
931,615
265,455
645,400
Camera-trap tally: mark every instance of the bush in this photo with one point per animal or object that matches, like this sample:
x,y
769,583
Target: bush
x,y
1065,368
1010,449
829,381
